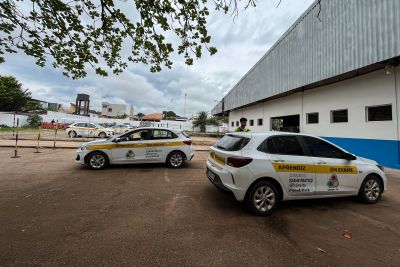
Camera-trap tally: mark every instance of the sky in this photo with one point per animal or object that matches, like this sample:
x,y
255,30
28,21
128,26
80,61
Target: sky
x,y
241,42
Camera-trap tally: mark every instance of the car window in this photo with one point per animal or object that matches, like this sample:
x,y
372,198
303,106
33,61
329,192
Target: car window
x,y
163,134
145,134
91,125
80,125
284,145
320,148
232,143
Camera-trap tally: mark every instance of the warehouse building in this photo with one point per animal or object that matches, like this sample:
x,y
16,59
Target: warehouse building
x,y
335,73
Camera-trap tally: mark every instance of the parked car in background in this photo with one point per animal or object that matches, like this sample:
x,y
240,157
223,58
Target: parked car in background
x,y
84,129
142,145
122,128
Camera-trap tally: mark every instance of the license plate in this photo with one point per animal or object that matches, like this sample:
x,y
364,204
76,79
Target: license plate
x,y
211,175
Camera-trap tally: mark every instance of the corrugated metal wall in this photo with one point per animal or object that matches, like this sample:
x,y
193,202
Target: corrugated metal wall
x,y
350,34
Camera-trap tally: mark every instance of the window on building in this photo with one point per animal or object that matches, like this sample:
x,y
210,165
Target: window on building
x,y
284,145
251,122
379,113
260,122
237,123
233,123
312,118
340,115
109,109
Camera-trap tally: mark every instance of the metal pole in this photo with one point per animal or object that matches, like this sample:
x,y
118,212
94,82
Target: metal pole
x,y
55,135
16,142
14,124
38,140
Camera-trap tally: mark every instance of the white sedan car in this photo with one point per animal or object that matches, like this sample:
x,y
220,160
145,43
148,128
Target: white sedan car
x,y
142,145
88,130
263,169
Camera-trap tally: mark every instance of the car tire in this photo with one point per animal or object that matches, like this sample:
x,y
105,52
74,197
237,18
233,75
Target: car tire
x,y
371,190
97,160
102,135
262,198
175,159
72,134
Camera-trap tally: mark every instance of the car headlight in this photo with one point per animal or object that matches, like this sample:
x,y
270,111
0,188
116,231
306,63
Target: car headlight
x,y
381,167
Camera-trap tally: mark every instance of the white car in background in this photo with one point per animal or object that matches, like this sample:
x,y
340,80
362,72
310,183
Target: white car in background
x,y
122,128
142,145
263,169
84,129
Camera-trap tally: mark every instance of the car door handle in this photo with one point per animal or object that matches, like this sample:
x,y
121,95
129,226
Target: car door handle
x,y
279,160
322,162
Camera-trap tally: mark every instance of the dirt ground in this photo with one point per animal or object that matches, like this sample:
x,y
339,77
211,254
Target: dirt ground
x,y
53,212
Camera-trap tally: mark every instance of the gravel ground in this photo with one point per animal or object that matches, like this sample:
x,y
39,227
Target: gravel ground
x,y
53,212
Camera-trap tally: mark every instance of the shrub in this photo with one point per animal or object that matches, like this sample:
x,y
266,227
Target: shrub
x,y
34,120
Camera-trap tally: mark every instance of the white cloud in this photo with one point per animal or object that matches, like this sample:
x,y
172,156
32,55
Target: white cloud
x,y
241,43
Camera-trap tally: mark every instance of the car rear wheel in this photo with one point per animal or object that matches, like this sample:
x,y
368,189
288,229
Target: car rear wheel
x,y
72,134
97,161
371,189
175,159
102,135
263,198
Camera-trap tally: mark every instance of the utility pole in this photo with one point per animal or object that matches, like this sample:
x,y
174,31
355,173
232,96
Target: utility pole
x,y
184,111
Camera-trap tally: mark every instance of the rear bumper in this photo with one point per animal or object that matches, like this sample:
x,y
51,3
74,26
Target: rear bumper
x,y
225,181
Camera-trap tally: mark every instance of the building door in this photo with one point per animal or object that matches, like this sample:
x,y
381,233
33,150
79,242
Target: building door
x,y
286,123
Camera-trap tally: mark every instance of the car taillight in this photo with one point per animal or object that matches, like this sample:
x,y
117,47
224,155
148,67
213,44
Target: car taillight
x,y
238,162
188,142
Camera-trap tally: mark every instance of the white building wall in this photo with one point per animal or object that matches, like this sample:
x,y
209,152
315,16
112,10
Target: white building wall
x,y
376,88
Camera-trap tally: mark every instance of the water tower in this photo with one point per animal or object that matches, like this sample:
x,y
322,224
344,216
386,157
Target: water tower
x,y
82,105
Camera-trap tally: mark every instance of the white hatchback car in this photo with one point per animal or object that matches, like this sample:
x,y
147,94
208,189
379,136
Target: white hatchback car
x,y
142,145
88,130
263,169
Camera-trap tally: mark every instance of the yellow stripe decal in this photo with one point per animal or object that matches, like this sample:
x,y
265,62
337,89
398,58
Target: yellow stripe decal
x,y
310,168
142,145
218,159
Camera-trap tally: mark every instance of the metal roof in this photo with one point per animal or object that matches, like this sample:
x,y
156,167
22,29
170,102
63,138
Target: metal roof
x,y
345,36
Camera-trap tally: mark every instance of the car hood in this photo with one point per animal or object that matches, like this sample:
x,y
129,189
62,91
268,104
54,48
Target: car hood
x,y
96,142
369,161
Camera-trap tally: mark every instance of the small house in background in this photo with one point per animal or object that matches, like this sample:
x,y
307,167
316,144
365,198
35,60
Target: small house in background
x,y
152,117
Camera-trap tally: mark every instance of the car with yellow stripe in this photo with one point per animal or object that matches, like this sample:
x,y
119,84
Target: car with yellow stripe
x,y
142,145
264,169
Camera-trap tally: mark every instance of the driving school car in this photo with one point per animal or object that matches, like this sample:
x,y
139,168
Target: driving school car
x,y
143,145
263,169
88,130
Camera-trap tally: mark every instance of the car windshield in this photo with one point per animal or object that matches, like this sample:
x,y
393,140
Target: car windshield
x,y
232,143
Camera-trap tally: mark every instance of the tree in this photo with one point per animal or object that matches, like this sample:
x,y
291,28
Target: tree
x,y
79,33
170,115
13,97
214,120
140,115
34,120
201,121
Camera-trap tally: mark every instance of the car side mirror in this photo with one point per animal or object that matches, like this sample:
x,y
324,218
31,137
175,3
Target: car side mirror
x,y
117,140
349,156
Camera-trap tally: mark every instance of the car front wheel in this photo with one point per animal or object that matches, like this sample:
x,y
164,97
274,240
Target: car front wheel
x,y
371,190
72,134
175,159
263,198
102,135
97,161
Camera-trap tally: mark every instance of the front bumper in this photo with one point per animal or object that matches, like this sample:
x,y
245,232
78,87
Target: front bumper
x,y
80,157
